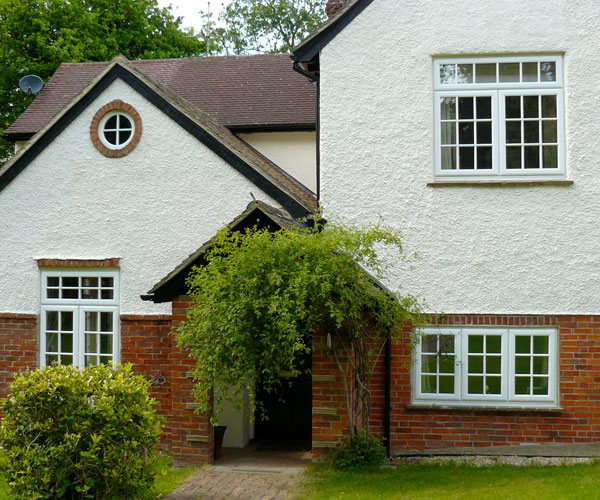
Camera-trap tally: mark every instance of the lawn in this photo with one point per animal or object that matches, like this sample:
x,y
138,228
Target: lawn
x,y
167,478
452,482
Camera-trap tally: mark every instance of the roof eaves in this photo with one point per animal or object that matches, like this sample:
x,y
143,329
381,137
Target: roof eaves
x,y
317,40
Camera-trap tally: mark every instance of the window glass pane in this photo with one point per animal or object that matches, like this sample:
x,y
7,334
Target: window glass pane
x,y
530,72
475,364
522,364
446,364
466,132
475,343
485,73
549,133
106,322
106,344
484,158
104,360
513,106
111,137
513,157
91,342
531,106
464,73
91,321
111,123
89,281
66,342
493,364
449,133
466,160
52,293
532,157
522,385
429,384
540,344
107,294
70,293
513,133
484,107
532,131
51,358
66,321
89,293
446,384
66,359
509,72
429,344
475,385
493,385
52,281
107,282
484,132
91,360
493,344
52,342
540,365
429,363
124,122
522,344
447,74
446,344
550,156
449,158
549,106
465,108
70,281
540,386
124,135
448,112
548,71
52,320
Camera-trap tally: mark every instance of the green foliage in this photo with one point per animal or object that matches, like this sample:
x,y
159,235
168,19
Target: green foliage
x,y
261,295
269,25
36,36
76,434
358,451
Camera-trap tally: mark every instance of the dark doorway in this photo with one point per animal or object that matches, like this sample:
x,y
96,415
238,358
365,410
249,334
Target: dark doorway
x,y
289,412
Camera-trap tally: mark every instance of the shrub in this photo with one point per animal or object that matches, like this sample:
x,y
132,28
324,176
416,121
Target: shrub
x,y
359,450
76,434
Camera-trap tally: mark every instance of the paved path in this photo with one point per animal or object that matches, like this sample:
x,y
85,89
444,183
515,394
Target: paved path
x,y
227,483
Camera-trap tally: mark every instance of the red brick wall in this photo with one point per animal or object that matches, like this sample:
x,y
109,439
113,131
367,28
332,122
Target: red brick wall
x,y
19,341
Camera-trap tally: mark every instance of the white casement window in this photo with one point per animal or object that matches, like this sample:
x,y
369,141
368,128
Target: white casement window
x,y
499,117
486,367
79,317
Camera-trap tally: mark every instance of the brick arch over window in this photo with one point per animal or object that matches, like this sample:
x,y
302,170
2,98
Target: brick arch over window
x,y
116,105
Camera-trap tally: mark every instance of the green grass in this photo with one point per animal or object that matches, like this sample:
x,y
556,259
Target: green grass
x,y
167,478
453,482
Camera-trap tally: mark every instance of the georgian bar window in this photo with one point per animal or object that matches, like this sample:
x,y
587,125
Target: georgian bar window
x,y
79,317
487,366
499,116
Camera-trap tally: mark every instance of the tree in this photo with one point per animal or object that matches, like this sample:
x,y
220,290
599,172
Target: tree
x,y
36,36
268,25
261,295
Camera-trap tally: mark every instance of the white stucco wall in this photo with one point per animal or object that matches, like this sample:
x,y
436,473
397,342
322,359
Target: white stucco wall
x,y
294,152
151,208
482,250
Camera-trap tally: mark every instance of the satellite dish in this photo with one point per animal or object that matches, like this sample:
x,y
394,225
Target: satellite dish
x,y
31,84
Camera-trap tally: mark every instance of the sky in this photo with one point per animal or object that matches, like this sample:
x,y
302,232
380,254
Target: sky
x,y
189,10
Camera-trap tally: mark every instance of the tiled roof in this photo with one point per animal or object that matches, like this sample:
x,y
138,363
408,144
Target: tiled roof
x,y
240,92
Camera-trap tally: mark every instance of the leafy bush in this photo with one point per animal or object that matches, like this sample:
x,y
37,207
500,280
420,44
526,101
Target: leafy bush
x,y
76,434
359,450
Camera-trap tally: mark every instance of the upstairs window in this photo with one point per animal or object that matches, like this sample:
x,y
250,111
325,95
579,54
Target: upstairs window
x,y
80,317
499,117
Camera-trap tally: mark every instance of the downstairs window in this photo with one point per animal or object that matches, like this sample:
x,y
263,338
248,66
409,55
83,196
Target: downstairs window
x,y
487,367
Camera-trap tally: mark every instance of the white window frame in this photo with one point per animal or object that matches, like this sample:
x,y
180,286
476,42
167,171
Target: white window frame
x,y
79,307
500,89
102,129
507,398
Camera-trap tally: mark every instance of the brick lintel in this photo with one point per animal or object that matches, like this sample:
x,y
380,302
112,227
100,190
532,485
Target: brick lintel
x,y
91,263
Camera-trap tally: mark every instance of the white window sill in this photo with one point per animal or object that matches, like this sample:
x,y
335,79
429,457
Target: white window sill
x,y
499,183
487,408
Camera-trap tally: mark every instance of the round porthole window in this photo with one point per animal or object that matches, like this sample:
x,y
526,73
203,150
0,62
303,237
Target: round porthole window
x,y
116,129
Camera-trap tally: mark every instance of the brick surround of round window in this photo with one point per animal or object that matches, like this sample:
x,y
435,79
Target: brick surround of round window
x,y
116,105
